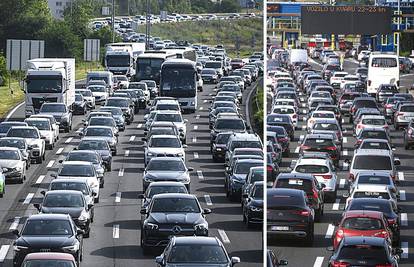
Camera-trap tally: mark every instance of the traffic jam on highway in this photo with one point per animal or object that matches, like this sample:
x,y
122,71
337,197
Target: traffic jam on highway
x,y
153,166
339,164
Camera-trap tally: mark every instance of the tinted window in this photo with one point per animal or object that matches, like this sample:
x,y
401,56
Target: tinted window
x,y
47,227
372,162
64,200
318,142
196,253
362,223
326,126
369,179
164,142
25,133
233,124
98,132
48,263
77,170
363,253
277,200
383,195
182,205
295,183
83,157
156,190
69,186
163,165
244,167
407,108
168,117
12,143
373,134
9,154
383,62
93,145
312,169
382,206
53,108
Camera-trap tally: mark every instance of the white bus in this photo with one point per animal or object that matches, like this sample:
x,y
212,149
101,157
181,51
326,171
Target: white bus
x,y
383,68
183,52
148,65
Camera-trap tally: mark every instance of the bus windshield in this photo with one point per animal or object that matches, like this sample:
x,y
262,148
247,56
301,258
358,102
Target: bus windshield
x,y
178,82
149,68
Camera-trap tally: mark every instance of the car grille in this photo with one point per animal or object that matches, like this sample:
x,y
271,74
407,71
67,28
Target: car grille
x,y
166,155
183,103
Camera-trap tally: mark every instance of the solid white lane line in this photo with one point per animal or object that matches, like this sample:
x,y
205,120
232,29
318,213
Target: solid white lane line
x,y
195,127
197,117
335,206
208,200
404,247
297,149
341,183
345,140
59,151
115,231
118,197
404,219
194,139
345,152
3,252
330,231
14,224
318,262
401,176
68,140
201,108
402,195
50,164
28,198
139,125
126,153
196,155
200,175
121,172
223,236
132,138
40,179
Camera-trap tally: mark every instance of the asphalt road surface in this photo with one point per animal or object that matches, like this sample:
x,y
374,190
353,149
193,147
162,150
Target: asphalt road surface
x,y
317,255
115,233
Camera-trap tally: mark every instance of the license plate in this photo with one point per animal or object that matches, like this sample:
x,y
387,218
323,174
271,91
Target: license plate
x,y
280,228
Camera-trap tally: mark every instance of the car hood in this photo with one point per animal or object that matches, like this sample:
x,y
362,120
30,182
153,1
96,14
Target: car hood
x,y
162,175
165,150
256,202
178,218
44,241
9,163
73,212
239,177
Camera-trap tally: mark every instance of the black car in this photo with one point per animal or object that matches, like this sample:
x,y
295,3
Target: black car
x,y
226,124
289,214
169,215
253,205
99,145
125,104
48,233
219,146
282,120
68,202
195,251
321,143
60,112
364,251
161,188
79,106
273,261
272,169
133,96
282,137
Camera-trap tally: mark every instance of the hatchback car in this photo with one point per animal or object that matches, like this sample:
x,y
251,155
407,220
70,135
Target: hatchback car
x,y
164,146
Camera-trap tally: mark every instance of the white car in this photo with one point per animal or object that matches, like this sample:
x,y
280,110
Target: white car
x,y
321,115
376,121
176,118
88,96
363,54
33,139
52,120
336,78
286,102
372,191
13,164
164,146
80,169
45,129
348,78
324,172
122,80
289,110
318,95
167,104
100,93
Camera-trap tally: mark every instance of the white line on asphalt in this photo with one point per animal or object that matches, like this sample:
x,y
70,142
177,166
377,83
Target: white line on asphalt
x,y
402,195
302,99
297,149
126,153
303,105
200,175
223,236
304,111
343,120
115,231
345,152
50,164
404,247
118,197
197,117
335,206
201,108
121,172
304,118
139,125
208,200
3,251
13,110
40,179
345,140
14,224
345,166
195,127
28,198
318,262
401,176
330,231
68,140
195,155
404,219
303,127
205,101
60,150
194,139
132,138
341,183
345,131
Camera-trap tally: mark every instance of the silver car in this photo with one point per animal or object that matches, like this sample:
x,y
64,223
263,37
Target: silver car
x,y
103,132
164,146
13,164
403,115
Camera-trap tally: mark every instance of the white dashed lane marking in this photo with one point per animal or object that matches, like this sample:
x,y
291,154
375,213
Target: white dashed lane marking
x,y
208,200
121,172
28,198
3,252
402,195
115,231
330,231
195,127
68,140
50,164
118,197
196,156
200,175
59,151
14,224
126,153
335,206
401,176
404,219
318,262
223,236
40,179
132,138
404,247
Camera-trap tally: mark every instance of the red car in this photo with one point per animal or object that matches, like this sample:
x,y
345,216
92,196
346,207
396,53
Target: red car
x,y
362,223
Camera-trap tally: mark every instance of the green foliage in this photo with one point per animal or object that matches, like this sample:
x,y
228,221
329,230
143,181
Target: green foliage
x,y
228,6
4,74
78,15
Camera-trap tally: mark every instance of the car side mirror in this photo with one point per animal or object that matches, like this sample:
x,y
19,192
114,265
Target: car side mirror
x,y
245,195
43,192
80,232
143,211
94,194
283,262
398,251
54,175
16,232
347,161
185,146
60,161
235,260
43,137
190,169
159,260
397,161
141,196
80,133
185,120
206,211
144,139
345,195
322,185
37,206
90,206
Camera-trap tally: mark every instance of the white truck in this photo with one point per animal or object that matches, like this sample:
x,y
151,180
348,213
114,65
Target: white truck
x,y
298,55
49,80
120,57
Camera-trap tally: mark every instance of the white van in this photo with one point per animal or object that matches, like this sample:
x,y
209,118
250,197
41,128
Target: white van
x,y
382,69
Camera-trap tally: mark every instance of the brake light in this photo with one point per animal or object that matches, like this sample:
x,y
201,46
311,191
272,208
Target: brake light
x,y
269,168
393,177
400,114
304,213
305,147
340,233
388,106
315,194
351,176
339,264
360,126
353,109
326,176
382,234
283,139
359,141
331,148
385,126
294,116
392,221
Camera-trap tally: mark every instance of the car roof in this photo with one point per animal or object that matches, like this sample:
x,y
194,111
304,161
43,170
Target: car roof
x,y
165,183
48,216
374,173
363,240
164,136
174,195
246,149
166,159
205,240
76,163
284,191
307,161
372,152
81,180
249,161
323,136
50,256
295,175
60,192
362,213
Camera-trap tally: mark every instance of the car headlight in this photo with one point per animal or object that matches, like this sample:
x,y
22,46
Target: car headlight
x,y
65,117
253,208
95,184
219,149
83,217
151,226
184,179
18,168
148,178
71,249
19,248
201,226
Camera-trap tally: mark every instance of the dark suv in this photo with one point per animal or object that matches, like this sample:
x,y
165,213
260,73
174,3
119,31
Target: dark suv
x,y
289,214
409,135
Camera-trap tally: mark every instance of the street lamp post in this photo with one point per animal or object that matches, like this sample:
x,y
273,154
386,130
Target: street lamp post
x,y
113,21
398,27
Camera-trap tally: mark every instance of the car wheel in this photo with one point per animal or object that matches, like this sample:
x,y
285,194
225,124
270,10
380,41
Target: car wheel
x,y
310,236
96,200
87,233
109,168
145,250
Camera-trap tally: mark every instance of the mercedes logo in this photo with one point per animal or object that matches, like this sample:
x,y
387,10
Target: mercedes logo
x,y
176,229
280,214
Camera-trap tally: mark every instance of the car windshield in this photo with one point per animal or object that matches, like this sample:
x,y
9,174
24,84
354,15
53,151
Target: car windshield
x,y
164,165
373,134
382,206
25,133
57,108
78,97
63,201
175,117
362,223
257,176
375,145
41,125
114,111
12,143
245,144
77,170
373,122
93,145
295,183
258,192
167,107
244,167
165,142
372,162
229,124
361,194
198,254
9,155
312,169
97,89
89,157
98,132
156,190
142,86
85,92
48,227
82,187
175,205
208,71
318,142
117,102
363,253
102,121
325,126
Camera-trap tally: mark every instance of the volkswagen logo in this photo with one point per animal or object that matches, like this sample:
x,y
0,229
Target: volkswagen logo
x,y
176,229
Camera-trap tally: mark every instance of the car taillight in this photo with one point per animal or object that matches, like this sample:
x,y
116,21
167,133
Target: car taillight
x,y
304,213
315,194
305,147
269,168
340,264
360,126
283,139
326,176
400,114
385,126
359,141
392,221
353,109
294,116
382,234
393,177
331,148
388,106
351,176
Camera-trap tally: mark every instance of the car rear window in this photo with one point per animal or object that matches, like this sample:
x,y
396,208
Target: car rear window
x,y
363,253
372,162
407,108
312,169
365,104
313,142
323,115
373,179
325,126
295,183
374,134
375,145
373,122
362,223
360,194
279,200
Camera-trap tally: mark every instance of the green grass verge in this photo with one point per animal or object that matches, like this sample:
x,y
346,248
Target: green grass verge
x,y
249,32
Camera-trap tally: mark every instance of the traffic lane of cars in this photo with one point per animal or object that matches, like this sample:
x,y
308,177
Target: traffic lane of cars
x,y
325,229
